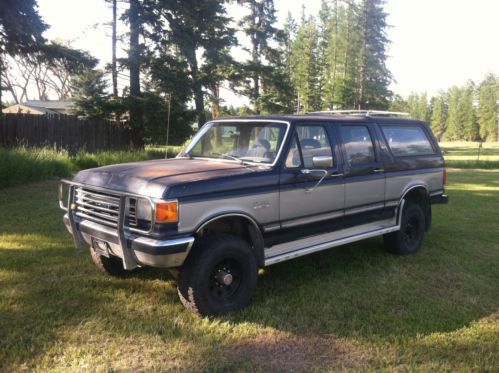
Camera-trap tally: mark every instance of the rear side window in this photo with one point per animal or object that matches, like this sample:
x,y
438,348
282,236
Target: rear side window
x,y
407,140
358,144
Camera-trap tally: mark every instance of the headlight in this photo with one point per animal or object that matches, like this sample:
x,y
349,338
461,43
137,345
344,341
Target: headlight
x,y
143,209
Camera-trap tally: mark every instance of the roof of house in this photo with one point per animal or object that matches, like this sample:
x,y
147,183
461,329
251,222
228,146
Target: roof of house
x,y
25,109
49,104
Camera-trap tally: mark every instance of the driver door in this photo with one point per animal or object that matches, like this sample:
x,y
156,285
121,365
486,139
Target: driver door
x,y
311,189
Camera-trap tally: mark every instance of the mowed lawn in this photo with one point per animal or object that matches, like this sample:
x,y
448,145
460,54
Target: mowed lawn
x,y
353,307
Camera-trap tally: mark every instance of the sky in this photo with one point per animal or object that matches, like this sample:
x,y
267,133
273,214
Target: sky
x,y
435,44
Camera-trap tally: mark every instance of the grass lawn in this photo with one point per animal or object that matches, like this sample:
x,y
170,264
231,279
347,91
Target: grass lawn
x,y
468,155
352,307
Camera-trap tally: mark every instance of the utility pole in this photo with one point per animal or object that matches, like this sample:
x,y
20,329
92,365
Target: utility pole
x,y
169,97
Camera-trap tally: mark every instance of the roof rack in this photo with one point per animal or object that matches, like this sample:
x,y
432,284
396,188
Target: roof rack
x,y
367,113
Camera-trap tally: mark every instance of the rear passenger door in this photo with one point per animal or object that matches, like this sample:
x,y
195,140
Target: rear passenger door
x,y
364,173
309,193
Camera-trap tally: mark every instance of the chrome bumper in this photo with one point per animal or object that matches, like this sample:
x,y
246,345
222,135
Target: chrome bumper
x,y
134,250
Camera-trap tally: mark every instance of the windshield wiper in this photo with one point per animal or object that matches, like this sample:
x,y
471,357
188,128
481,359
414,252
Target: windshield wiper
x,y
228,156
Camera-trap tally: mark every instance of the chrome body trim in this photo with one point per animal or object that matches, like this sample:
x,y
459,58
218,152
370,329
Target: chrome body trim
x,y
312,219
253,222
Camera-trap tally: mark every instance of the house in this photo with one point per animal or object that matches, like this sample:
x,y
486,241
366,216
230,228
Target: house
x,y
38,107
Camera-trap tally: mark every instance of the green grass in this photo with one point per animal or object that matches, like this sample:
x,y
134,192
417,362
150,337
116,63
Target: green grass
x,y
468,154
22,165
353,307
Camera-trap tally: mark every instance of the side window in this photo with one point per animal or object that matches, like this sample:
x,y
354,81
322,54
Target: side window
x,y
358,144
313,141
407,140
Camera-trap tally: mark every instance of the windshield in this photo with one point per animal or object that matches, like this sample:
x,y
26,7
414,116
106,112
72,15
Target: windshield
x,y
257,142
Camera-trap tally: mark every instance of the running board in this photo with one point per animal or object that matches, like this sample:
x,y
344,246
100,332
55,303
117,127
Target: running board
x,y
304,246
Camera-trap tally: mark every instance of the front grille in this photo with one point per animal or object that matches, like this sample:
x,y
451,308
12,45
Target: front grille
x,y
101,207
132,213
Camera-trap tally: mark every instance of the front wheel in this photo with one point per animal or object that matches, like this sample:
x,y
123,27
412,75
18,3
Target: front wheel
x,y
409,238
219,276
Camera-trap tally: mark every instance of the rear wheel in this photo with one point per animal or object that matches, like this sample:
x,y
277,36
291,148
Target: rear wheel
x,y
409,238
112,266
219,276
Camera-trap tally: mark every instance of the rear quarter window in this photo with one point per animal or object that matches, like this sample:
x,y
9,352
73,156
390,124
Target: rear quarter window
x,y
407,140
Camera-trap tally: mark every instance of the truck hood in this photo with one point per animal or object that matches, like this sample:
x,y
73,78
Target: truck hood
x,y
152,178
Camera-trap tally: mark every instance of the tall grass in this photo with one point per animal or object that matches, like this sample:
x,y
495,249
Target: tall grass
x,y
22,165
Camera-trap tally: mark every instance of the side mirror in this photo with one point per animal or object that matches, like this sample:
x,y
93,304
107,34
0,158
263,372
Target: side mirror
x,y
322,161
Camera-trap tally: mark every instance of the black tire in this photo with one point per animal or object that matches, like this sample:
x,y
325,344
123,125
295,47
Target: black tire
x,y
111,266
200,284
409,238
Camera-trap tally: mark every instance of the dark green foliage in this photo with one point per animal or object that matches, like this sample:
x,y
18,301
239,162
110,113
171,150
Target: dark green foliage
x,y
89,95
374,76
266,80
439,115
488,109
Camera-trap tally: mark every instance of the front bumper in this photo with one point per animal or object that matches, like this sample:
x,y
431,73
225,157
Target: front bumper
x,y
134,250
144,251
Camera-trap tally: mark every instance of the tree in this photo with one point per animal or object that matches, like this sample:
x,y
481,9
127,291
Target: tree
x,y
265,65
49,70
471,131
21,29
418,106
195,25
305,70
488,108
439,115
374,77
89,94
454,121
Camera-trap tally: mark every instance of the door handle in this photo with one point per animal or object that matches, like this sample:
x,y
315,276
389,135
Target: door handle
x,y
336,174
308,172
378,170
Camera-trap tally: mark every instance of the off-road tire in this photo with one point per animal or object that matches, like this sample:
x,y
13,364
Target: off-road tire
x,y
409,238
112,266
198,287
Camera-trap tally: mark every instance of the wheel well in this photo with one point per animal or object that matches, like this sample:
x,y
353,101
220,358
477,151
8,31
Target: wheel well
x,y
238,225
420,196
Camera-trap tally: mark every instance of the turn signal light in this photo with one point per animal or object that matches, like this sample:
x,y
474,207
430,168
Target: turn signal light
x,y
166,212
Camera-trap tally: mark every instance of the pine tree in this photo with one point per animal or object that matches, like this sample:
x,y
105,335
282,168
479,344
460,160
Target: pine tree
x,y
304,61
418,106
259,26
488,109
454,120
439,115
374,77
471,131
89,94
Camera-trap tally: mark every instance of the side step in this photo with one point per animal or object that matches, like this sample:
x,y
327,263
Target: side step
x,y
304,246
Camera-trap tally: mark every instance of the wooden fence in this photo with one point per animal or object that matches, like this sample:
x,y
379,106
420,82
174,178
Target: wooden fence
x,y
62,132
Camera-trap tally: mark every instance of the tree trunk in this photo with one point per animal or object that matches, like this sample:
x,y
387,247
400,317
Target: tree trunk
x,y
255,56
134,65
197,89
1,82
114,72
